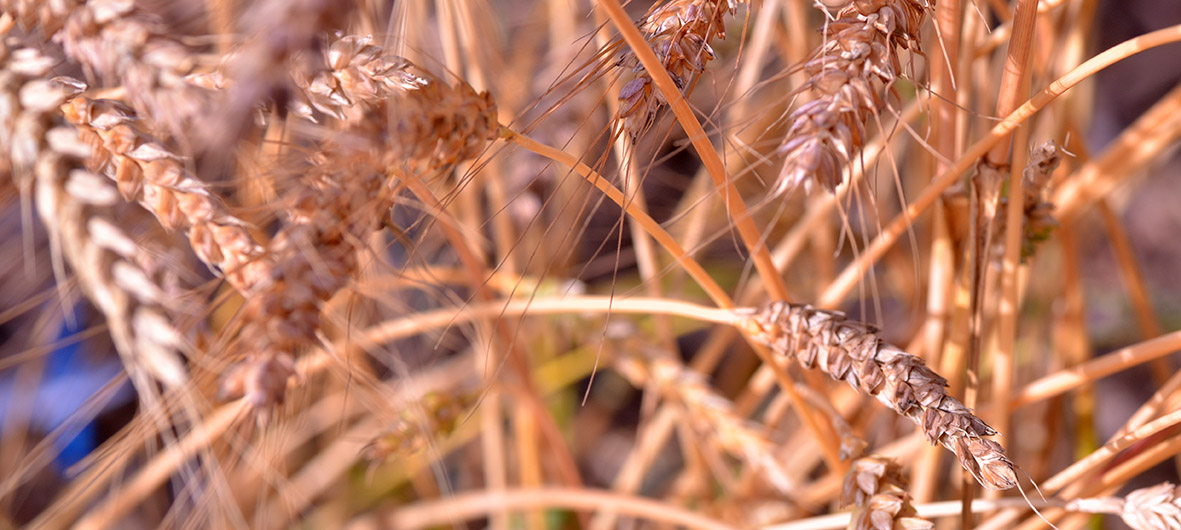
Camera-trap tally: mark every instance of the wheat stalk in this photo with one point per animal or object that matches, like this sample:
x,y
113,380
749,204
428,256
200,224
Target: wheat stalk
x,y
851,351
847,81
875,485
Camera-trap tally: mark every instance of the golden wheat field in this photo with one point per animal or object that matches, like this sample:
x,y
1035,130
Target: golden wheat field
x,y
557,264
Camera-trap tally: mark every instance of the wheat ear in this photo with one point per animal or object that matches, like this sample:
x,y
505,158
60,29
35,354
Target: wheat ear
x,y
148,172
851,351
848,78
85,220
425,123
874,484
680,32
1153,508
120,43
412,123
1039,218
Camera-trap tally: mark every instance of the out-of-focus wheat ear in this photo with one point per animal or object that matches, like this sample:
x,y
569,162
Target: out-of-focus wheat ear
x,y
413,123
1153,508
847,83
851,351
680,32
311,258
436,415
121,44
876,487
147,172
281,36
710,413
425,123
1039,218
85,218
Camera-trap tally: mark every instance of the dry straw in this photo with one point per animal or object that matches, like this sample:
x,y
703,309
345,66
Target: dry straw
x,y
851,351
847,82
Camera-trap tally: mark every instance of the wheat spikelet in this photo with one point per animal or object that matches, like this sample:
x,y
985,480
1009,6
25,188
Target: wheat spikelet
x,y
874,484
847,81
737,436
680,32
148,172
311,258
851,351
87,224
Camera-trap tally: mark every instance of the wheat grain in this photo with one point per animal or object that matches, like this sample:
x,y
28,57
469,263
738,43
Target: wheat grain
x,y
425,123
874,484
851,351
847,81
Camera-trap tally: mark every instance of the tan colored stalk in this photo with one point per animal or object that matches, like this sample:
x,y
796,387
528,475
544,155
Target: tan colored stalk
x,y
848,79
1098,368
474,505
709,156
851,351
